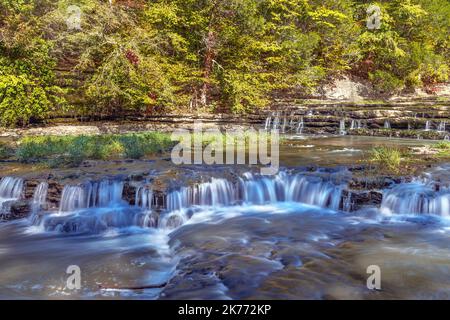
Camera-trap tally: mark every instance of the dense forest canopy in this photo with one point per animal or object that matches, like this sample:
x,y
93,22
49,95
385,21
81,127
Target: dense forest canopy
x,y
111,57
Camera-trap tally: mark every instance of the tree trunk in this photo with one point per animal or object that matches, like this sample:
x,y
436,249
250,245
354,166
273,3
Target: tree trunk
x,y
210,55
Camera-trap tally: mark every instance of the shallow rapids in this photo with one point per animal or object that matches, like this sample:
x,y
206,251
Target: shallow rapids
x,y
248,238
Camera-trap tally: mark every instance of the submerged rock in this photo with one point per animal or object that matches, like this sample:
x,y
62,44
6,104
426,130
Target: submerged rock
x,y
15,209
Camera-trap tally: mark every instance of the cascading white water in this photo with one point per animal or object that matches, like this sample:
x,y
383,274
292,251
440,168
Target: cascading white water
x,y
73,198
342,131
416,198
276,121
39,197
144,198
387,124
97,206
428,125
258,190
11,189
300,127
315,192
268,123
91,194
441,127
218,192
38,202
284,122
356,124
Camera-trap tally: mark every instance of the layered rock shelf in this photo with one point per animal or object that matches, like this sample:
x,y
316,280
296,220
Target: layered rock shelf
x,y
358,192
426,118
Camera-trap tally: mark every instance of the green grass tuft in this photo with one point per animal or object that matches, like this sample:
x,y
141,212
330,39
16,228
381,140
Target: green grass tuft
x,y
72,150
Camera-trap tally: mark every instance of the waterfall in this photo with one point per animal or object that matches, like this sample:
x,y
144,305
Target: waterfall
x,y
258,190
416,198
342,131
91,194
276,121
300,126
39,197
356,124
93,207
268,123
38,202
144,198
428,125
218,192
387,124
442,126
286,123
11,188
97,206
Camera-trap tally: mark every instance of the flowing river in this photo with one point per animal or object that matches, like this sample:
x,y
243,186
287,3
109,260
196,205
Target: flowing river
x,y
287,236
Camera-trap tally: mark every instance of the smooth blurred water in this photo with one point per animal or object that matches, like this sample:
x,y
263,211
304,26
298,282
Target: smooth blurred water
x,y
254,238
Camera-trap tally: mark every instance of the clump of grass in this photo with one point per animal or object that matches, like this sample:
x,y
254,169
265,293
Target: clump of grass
x,y
387,158
443,147
72,150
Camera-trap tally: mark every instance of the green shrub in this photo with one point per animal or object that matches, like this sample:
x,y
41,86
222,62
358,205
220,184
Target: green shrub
x,y
385,82
21,100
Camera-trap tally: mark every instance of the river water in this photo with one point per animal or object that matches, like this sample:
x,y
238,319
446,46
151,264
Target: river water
x,y
283,237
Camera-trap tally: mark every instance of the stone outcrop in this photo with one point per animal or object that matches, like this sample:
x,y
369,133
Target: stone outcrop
x,y
15,209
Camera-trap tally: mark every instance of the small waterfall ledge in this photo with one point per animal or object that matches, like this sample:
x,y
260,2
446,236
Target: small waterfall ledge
x,y
137,203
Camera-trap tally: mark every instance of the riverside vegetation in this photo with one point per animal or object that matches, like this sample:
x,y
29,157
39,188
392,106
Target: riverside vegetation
x,y
143,57
71,151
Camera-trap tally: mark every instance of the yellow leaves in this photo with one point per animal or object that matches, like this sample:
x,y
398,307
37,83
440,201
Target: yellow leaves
x,y
327,17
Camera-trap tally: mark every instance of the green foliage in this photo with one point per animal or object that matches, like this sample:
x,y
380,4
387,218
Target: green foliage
x,y
143,57
72,150
21,100
387,158
443,145
385,82
443,148
27,79
412,46
5,151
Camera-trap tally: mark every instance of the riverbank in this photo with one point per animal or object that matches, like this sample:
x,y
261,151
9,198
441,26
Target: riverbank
x,y
417,118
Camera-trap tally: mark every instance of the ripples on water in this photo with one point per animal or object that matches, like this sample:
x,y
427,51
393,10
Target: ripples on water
x,y
279,238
